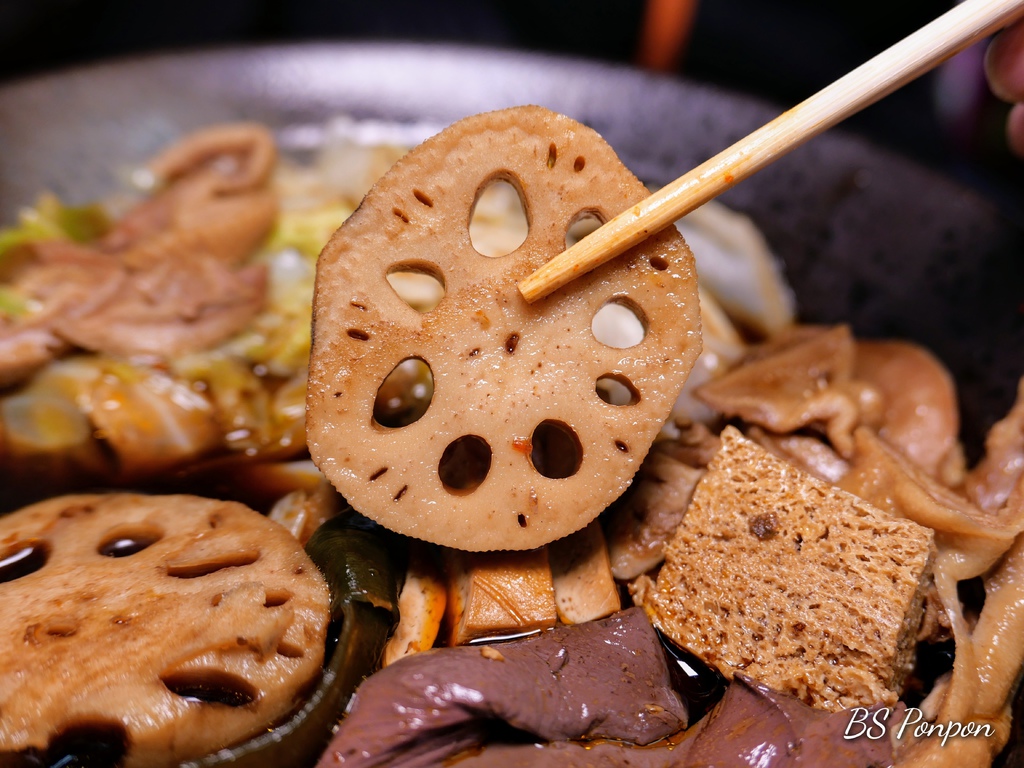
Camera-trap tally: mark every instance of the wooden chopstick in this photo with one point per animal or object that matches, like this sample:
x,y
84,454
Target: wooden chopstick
x,y
937,41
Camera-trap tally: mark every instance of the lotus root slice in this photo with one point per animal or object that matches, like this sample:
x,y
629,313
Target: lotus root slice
x,y
168,627
517,447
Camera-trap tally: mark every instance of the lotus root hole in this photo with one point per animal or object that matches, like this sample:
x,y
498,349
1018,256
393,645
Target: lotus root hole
x,y
401,214
198,567
87,743
659,263
552,155
210,686
127,540
498,222
511,343
423,197
579,163
23,558
418,284
276,597
619,324
464,464
521,519
616,389
582,225
61,628
622,446
404,395
557,452
358,335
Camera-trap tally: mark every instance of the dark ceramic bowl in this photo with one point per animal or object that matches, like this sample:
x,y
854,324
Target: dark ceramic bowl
x,y
867,237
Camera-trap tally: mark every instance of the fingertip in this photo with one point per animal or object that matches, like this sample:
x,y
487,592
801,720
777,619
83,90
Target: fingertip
x,y
1004,63
1015,130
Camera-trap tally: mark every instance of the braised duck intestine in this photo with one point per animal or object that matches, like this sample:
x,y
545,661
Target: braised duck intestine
x,y
991,482
799,381
989,652
911,380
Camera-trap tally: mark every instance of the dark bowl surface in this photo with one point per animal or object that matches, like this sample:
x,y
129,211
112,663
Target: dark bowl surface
x,y
867,237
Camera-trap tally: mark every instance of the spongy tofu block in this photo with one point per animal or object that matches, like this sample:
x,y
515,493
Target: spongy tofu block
x,y
795,583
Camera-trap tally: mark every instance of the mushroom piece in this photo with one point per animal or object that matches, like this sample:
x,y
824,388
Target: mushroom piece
x,y
582,578
695,444
648,515
495,595
421,606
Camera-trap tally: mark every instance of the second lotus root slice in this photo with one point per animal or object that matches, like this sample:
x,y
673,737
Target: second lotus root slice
x,y
163,627
517,447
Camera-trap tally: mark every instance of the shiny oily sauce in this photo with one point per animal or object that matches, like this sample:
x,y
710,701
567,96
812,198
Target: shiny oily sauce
x,y
22,559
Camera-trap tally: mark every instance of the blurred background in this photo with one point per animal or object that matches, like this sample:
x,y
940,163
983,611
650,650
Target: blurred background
x,y
782,50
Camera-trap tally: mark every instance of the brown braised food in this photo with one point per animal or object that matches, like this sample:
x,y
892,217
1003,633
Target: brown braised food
x,y
180,625
517,447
